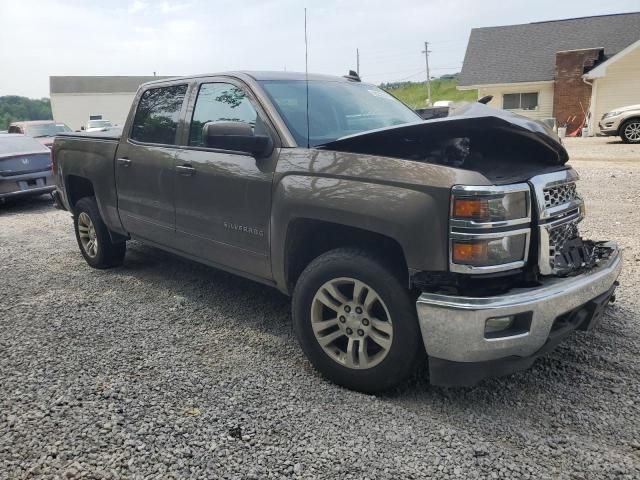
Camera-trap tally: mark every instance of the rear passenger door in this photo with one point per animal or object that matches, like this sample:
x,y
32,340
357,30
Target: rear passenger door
x,y
145,163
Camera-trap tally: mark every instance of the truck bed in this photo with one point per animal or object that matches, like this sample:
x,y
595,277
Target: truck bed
x,y
90,156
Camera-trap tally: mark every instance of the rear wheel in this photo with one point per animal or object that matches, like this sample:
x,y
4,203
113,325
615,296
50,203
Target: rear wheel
x,y
630,131
356,321
93,236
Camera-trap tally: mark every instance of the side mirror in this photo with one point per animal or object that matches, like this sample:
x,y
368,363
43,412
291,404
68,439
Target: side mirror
x,y
236,136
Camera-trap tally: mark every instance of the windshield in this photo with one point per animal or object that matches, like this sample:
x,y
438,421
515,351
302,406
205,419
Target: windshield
x,y
336,108
98,124
46,129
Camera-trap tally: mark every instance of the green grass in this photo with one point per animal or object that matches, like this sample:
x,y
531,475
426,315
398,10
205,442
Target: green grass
x,y
415,94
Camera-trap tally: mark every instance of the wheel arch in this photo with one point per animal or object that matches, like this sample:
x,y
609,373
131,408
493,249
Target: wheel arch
x,y
308,238
635,116
76,188
312,215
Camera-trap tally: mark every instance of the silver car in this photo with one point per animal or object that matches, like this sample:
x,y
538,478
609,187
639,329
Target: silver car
x,y
623,122
25,167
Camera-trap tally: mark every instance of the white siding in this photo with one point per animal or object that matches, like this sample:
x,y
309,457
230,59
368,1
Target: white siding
x,y
545,97
74,109
620,86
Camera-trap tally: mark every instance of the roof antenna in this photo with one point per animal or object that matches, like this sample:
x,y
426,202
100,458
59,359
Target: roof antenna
x,y
306,75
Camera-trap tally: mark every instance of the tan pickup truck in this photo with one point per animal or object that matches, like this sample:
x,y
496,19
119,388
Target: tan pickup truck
x,y
451,241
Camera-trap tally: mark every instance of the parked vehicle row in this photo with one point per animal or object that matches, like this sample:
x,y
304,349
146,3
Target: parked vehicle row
x,y
457,237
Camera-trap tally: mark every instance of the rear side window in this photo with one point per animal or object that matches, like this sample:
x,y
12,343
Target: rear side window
x,y
219,102
156,119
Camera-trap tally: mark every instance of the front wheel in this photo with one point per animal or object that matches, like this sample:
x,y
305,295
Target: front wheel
x,y
93,236
356,321
630,131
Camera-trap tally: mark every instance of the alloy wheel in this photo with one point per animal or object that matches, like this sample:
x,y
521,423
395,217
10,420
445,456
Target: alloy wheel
x,y
351,323
632,131
88,236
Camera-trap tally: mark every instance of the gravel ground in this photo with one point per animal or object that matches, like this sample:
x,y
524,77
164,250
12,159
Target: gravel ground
x,y
166,369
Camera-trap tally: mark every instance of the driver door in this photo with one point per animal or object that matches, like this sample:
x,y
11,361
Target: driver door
x,y
222,197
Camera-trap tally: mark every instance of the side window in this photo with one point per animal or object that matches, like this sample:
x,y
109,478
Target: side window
x,y
14,129
520,101
156,119
218,102
511,101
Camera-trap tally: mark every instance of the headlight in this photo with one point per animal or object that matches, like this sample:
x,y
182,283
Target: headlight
x,y
489,228
487,209
489,249
614,113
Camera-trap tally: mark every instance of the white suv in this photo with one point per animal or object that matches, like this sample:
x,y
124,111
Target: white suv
x,y
623,121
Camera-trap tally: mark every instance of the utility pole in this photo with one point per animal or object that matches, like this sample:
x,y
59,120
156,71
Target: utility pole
x,y
358,61
426,56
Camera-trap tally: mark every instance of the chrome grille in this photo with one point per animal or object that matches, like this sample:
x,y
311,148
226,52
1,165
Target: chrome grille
x,y
560,209
560,194
558,236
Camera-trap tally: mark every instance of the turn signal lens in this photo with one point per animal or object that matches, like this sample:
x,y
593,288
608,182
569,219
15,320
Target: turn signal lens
x,y
470,208
469,253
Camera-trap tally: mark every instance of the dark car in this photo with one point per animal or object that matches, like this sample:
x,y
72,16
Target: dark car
x,y
25,167
42,130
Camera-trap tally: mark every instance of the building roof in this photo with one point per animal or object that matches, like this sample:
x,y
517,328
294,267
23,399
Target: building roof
x,y
526,53
83,84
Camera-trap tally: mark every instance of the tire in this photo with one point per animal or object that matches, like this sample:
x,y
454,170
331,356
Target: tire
x,y
630,131
89,226
381,359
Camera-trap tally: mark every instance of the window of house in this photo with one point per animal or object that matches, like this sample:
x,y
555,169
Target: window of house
x,y
219,102
520,101
157,116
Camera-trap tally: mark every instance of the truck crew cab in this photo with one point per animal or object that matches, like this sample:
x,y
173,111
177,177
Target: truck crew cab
x,y
452,240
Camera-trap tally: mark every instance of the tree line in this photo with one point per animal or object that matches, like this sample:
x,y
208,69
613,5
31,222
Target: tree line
x,y
14,109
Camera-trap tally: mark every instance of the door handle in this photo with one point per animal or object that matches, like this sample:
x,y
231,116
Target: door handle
x,y
125,162
186,170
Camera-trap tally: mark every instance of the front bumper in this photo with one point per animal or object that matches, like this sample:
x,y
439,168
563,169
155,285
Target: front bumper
x,y
609,127
453,327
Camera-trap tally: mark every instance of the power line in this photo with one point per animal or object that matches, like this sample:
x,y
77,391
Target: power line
x,y
414,74
393,72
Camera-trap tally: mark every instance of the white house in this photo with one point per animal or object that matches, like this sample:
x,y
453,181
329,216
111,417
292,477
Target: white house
x,y
75,100
615,82
573,70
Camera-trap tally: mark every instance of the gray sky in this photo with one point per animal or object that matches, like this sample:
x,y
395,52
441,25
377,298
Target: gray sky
x,y
39,38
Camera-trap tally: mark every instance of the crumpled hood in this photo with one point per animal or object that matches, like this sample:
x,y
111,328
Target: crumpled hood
x,y
474,137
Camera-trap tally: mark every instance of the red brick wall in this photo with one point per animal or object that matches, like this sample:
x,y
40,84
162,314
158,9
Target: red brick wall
x,y
572,96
